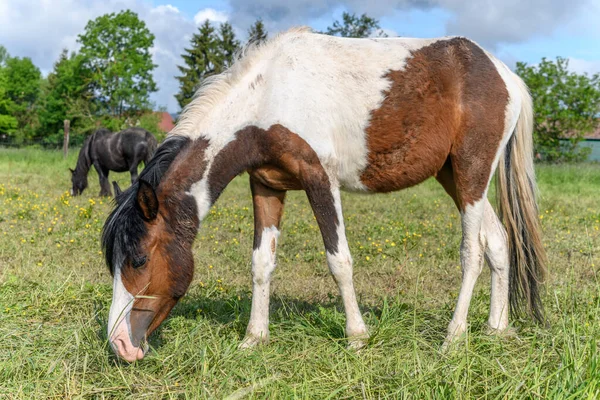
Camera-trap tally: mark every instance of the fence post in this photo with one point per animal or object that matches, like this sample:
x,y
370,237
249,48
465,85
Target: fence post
x,y
66,138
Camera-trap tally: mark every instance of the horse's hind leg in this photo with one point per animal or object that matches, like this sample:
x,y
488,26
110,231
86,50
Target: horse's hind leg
x,y
494,241
268,209
327,207
471,202
496,254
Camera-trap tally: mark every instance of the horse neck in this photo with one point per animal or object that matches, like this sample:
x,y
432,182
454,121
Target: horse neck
x,y
84,160
223,164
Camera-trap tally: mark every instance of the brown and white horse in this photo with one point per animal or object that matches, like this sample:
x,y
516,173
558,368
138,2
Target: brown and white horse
x,y
318,113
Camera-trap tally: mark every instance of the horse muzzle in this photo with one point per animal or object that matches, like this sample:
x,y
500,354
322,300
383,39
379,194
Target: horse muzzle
x,y
128,339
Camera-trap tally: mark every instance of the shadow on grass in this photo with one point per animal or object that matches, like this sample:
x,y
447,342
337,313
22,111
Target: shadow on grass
x,y
391,320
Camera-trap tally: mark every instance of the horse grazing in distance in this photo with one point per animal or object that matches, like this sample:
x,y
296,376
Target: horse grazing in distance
x,y
107,151
317,113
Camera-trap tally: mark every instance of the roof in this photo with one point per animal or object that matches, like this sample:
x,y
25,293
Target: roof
x,y
166,121
595,134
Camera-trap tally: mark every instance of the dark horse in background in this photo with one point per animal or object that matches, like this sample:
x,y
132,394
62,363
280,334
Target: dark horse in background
x,y
108,151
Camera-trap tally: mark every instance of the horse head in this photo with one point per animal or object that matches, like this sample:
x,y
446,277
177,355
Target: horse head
x,y
147,242
79,182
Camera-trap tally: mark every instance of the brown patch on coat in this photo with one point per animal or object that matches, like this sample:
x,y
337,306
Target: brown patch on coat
x,y
448,103
281,160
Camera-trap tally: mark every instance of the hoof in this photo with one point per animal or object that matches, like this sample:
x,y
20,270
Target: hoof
x,y
358,339
506,332
357,343
453,340
251,341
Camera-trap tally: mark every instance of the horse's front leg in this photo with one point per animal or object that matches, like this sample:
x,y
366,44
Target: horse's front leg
x,y
103,177
327,206
133,171
268,209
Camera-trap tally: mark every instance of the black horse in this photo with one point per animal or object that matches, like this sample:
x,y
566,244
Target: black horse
x,y
107,151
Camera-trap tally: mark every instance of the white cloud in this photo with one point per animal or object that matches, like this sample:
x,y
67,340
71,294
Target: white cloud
x,y
489,22
40,29
581,66
210,14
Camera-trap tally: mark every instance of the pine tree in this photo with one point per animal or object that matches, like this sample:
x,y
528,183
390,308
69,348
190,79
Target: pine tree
x,y
228,46
257,33
210,53
200,61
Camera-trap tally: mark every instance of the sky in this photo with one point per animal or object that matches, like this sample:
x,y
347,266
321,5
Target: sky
x,y
514,30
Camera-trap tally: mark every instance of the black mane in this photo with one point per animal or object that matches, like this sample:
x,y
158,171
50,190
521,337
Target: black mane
x,y
124,226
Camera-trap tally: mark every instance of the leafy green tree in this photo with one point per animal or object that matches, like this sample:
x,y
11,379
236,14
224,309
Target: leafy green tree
x,y
116,48
150,121
353,26
210,52
22,85
67,95
8,123
566,108
257,33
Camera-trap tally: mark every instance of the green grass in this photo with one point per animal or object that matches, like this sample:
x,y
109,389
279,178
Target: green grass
x,y
55,295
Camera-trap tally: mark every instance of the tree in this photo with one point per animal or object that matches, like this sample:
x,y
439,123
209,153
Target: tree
x,y
566,108
210,53
257,33
228,46
201,60
116,48
22,85
354,27
67,95
8,123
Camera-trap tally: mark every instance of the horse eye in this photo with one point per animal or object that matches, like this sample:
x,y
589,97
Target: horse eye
x,y
138,262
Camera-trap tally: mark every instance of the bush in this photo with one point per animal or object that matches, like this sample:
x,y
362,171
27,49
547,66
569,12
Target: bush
x,y
566,106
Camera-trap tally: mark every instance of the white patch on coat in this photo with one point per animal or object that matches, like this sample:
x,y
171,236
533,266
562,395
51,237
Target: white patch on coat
x,y
340,266
263,265
513,107
496,253
120,308
201,193
320,87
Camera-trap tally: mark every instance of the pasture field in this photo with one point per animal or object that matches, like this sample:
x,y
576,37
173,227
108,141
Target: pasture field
x,y
55,294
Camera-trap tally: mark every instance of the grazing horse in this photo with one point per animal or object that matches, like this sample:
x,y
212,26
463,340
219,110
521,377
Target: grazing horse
x,y
317,113
107,151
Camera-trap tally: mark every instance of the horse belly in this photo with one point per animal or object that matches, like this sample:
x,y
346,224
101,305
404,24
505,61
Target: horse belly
x,y
405,165
275,178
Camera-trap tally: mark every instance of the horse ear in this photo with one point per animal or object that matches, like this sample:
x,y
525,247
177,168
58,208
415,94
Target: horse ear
x,y
147,201
72,171
118,190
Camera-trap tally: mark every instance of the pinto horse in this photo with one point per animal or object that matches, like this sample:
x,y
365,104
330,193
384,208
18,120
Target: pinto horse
x,y
107,151
318,113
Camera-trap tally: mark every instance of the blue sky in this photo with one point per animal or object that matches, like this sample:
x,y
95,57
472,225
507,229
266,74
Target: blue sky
x,y
515,30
